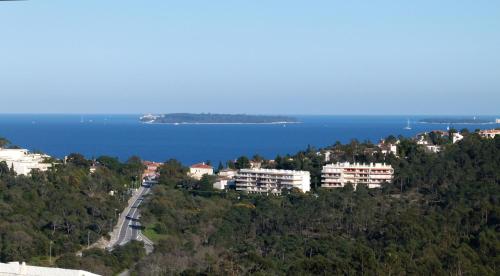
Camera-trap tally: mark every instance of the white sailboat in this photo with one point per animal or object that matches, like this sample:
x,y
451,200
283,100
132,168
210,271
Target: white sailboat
x,y
408,127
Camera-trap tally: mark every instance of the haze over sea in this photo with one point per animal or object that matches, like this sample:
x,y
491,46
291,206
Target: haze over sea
x,y
123,135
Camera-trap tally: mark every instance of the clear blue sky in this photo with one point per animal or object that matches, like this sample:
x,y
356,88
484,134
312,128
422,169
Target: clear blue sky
x,y
254,56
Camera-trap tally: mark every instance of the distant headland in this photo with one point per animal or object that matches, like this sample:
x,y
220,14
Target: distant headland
x,y
456,121
210,118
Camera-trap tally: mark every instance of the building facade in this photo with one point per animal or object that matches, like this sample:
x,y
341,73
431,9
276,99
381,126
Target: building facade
x,y
197,171
272,181
151,170
387,148
457,137
489,133
372,175
23,162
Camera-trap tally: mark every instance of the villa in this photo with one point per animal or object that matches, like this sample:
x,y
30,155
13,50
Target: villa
x,y
197,171
489,133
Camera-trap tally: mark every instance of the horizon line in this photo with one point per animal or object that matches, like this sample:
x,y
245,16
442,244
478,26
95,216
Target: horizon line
x,y
244,113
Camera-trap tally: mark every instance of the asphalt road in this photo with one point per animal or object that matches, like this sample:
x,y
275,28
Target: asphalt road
x,y
130,228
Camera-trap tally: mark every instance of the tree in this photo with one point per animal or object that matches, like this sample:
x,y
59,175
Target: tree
x,y
172,173
4,142
206,182
220,167
4,168
78,160
242,163
111,163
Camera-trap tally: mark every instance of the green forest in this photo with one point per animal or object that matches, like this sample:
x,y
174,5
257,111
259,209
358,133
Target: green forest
x,y
440,216
46,218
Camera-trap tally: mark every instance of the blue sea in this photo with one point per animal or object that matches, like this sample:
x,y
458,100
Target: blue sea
x,y
123,135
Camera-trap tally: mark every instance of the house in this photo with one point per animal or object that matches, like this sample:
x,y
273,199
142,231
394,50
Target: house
x,y
272,181
422,139
225,179
489,133
372,175
197,171
151,170
457,137
227,173
255,164
387,148
223,183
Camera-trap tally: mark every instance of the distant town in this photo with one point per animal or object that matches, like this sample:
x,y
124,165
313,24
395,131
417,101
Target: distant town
x,y
261,178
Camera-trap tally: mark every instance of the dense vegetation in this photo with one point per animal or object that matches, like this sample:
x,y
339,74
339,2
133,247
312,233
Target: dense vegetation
x,y
104,262
51,215
439,217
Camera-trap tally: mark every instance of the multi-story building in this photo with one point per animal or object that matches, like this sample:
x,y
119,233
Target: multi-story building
x,y
489,133
197,171
23,162
339,174
272,181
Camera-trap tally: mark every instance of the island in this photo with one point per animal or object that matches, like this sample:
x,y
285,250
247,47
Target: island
x,y
210,118
456,121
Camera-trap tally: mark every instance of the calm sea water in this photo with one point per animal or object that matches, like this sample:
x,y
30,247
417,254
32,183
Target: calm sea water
x,y
123,135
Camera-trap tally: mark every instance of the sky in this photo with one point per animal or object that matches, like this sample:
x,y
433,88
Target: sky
x,y
250,56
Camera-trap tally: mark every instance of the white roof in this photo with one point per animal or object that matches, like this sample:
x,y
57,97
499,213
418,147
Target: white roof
x,y
15,268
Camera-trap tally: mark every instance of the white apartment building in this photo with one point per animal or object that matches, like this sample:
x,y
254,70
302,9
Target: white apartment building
x,y
339,174
197,171
489,133
21,269
272,181
227,173
22,161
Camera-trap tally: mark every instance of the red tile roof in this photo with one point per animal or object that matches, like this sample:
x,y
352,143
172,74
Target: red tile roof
x,y
201,166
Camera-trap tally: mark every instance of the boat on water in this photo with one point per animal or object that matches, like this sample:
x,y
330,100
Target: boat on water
x,y
407,127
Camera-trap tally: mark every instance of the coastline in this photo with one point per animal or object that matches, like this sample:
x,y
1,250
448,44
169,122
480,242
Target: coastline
x,y
450,123
271,123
